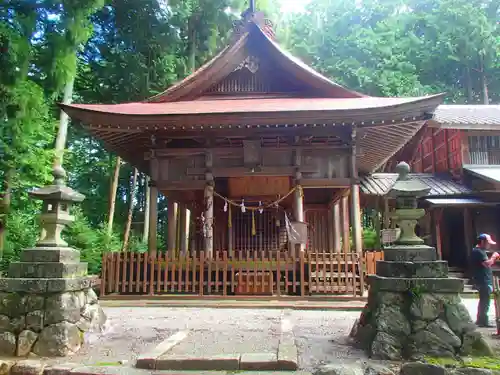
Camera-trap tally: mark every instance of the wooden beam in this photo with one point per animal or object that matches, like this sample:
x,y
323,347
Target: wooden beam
x,y
167,152
181,185
245,171
438,215
330,183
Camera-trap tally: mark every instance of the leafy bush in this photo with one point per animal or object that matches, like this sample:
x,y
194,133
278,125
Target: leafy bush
x,y
90,241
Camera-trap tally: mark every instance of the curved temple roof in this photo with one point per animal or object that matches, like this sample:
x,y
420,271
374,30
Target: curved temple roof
x,y
314,106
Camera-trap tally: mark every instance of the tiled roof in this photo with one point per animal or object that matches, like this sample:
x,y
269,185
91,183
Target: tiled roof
x,y
479,117
441,185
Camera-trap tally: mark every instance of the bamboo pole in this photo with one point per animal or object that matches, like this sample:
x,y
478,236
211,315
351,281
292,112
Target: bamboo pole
x,y
112,200
128,225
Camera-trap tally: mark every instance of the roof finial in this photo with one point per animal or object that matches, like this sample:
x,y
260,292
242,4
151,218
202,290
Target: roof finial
x,y
251,7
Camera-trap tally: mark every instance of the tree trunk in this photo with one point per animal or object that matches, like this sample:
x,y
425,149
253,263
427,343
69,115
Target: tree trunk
x,y
62,133
145,233
192,44
484,82
128,226
112,199
4,209
468,81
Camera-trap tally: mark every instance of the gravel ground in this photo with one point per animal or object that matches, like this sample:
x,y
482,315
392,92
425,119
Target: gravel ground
x,y
320,335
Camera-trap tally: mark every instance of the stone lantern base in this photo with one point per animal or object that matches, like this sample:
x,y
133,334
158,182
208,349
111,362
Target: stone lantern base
x,y
47,304
414,310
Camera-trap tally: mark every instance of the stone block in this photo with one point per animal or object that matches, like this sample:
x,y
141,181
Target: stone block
x,y
418,269
418,368
50,255
259,361
63,307
424,285
61,369
27,367
265,373
8,344
58,340
344,368
25,342
108,370
47,270
229,362
287,353
5,367
412,253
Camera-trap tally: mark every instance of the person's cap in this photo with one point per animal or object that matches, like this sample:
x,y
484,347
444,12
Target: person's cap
x,y
486,237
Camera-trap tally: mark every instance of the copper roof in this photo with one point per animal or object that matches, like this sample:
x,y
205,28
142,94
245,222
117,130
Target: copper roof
x,y
440,184
247,105
473,117
318,108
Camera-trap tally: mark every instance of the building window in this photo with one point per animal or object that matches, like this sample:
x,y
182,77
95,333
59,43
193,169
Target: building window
x,y
484,149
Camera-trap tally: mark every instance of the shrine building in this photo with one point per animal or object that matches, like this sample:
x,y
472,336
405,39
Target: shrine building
x,y
257,152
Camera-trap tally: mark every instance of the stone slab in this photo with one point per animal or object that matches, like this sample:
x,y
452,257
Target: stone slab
x,y
50,254
418,269
428,285
61,369
27,367
259,361
288,356
274,373
229,362
148,359
47,270
48,285
108,370
410,253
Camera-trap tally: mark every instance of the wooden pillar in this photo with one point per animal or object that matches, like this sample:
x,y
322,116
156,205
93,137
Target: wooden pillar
x,y
337,228
192,232
344,208
183,229
209,220
153,220
357,228
468,232
438,214
331,231
229,236
172,211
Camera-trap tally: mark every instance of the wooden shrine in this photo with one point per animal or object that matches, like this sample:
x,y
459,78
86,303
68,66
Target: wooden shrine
x,y
259,156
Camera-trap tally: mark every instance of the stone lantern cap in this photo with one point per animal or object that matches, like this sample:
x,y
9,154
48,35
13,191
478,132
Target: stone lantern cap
x,y
404,187
58,191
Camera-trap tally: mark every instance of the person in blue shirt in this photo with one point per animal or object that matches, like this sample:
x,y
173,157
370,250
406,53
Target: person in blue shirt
x,y
482,275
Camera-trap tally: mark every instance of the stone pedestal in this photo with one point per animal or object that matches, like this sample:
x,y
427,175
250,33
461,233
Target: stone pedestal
x,y
47,302
414,309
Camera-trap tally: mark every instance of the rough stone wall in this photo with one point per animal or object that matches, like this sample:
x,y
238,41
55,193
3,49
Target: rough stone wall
x,y
396,325
51,324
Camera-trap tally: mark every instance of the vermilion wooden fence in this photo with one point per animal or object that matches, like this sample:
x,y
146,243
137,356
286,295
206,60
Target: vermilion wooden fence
x,y
260,273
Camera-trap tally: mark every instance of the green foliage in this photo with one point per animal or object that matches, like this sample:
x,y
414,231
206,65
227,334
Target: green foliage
x,y
491,363
369,238
91,242
126,50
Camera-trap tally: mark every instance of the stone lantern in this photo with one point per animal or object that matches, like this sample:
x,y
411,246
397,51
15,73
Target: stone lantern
x,y
47,303
57,201
414,308
406,192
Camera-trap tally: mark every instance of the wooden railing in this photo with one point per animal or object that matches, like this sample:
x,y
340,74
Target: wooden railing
x,y
262,273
